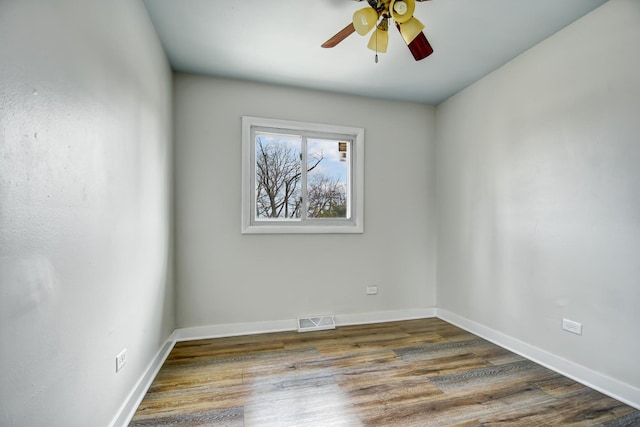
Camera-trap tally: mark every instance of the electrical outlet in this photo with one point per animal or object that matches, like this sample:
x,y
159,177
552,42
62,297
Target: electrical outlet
x,y
121,359
571,326
372,290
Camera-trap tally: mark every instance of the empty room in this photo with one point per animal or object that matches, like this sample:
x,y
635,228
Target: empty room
x,y
322,212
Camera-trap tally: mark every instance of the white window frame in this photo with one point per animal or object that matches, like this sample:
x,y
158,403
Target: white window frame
x,y
354,224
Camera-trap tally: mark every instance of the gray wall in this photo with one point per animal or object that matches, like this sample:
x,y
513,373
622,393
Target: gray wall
x,y
85,207
225,277
538,186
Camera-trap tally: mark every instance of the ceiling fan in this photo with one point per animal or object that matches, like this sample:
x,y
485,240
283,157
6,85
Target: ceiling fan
x,y
379,14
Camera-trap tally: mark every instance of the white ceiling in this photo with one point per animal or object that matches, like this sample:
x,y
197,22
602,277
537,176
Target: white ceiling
x,y
278,41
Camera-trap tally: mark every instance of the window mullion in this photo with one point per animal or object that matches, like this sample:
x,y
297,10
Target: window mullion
x,y
303,178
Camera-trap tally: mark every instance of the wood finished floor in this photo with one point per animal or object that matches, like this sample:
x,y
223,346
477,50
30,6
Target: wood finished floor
x,y
412,373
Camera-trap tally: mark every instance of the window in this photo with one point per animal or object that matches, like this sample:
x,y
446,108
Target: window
x,y
301,177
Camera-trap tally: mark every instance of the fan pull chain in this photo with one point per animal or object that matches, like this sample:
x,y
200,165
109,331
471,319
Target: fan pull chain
x,y
376,35
381,28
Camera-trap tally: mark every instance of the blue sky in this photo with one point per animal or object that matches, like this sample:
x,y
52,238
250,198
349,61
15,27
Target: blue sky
x,y
331,165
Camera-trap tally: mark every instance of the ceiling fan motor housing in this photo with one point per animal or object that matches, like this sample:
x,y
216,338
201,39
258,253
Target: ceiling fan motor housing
x,y
379,5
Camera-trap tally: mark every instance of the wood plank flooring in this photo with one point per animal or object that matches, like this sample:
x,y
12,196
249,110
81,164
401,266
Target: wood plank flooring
x,y
413,373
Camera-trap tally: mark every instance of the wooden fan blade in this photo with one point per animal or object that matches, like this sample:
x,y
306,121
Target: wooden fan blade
x,y
341,35
420,47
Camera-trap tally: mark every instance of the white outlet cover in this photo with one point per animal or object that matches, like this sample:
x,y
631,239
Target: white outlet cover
x,y
121,359
372,290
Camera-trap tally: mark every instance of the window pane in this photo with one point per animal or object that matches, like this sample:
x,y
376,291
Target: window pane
x,y
327,178
278,180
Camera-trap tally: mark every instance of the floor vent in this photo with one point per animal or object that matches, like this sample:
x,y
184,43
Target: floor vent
x,y
316,323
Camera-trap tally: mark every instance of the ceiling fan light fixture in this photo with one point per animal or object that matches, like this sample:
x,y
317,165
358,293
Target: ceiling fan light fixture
x,y
402,10
400,7
385,13
411,29
364,20
379,40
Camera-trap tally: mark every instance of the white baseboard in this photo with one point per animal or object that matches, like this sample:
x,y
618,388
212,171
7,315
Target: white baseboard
x,y
131,403
610,386
384,316
234,329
